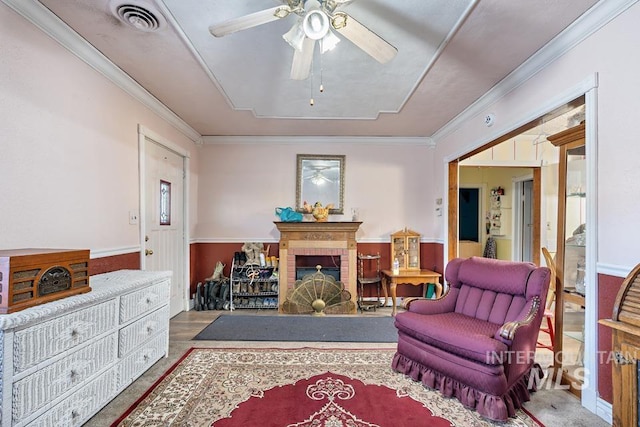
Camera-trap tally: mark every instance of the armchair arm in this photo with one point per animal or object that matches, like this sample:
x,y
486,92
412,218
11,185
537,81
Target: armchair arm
x,y
407,301
432,306
509,329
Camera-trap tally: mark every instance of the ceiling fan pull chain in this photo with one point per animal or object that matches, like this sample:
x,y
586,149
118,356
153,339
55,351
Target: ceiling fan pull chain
x,y
311,101
321,66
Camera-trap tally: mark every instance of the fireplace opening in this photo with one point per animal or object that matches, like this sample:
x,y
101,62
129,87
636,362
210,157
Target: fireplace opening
x,y
329,271
306,264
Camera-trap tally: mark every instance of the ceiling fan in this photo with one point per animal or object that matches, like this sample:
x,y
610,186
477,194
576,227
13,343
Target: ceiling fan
x,y
318,174
318,178
316,20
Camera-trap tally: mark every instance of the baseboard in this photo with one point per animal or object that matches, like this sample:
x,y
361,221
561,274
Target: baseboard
x,y
604,410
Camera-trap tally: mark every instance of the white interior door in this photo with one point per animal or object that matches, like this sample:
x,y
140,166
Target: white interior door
x,y
164,217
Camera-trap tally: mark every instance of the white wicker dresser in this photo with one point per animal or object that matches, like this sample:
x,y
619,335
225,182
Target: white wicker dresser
x,y
63,361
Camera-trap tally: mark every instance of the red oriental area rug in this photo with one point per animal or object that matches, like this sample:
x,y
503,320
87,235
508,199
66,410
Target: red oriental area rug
x,y
296,388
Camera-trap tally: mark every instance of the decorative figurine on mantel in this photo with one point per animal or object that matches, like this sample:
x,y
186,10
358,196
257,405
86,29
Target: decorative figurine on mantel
x,y
320,213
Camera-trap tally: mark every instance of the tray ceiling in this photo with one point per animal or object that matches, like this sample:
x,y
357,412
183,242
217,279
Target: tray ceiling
x,y
450,52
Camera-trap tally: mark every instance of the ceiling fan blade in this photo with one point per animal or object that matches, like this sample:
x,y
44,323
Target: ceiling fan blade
x,y
250,21
374,45
301,66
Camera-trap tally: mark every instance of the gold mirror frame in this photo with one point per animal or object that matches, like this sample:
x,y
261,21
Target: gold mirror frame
x,y
320,178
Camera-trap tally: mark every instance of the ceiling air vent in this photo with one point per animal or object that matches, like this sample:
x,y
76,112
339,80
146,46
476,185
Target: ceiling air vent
x,y
137,14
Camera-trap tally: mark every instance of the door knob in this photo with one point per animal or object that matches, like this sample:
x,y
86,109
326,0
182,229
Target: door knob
x,y
148,252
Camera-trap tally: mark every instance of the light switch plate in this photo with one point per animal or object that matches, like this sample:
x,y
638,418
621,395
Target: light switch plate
x,y
133,217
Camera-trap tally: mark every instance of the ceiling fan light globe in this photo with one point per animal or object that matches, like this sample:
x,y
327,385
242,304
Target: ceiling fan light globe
x,y
316,24
329,41
295,36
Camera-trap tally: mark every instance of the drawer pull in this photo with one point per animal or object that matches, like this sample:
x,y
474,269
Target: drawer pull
x,y
150,299
73,375
78,329
151,327
74,414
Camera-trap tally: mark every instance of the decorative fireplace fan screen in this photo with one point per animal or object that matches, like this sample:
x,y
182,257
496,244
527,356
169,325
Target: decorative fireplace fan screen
x,y
318,294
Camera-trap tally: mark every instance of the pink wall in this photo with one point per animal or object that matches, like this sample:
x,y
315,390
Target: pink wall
x,y
389,184
69,163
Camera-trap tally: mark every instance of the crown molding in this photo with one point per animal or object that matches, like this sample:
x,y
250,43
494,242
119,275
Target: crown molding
x,y
55,28
589,23
286,139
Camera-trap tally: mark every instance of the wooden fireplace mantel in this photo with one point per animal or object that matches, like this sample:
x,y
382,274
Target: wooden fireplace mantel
x,y
314,231
317,238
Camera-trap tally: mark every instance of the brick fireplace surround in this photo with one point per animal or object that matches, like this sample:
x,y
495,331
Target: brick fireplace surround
x,y
337,239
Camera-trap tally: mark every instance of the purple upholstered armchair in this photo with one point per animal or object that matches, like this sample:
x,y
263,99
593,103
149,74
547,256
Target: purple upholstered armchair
x,y
477,343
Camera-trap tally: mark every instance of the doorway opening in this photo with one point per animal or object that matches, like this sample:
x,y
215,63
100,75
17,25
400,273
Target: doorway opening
x,y
469,220
524,147
523,214
552,190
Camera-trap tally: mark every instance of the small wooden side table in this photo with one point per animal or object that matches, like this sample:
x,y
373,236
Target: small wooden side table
x,y
409,277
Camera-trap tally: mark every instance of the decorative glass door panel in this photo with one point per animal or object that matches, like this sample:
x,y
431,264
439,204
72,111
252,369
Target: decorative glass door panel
x,y
570,256
574,262
413,253
399,250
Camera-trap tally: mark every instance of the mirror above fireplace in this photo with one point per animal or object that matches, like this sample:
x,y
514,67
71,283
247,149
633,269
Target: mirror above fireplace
x,y
320,178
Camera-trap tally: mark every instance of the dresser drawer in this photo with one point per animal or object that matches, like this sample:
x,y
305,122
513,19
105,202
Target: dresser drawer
x,y
36,390
132,366
43,341
81,405
141,330
144,300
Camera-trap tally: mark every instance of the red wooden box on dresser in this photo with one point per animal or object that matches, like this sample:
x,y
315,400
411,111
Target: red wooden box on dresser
x,y
30,277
